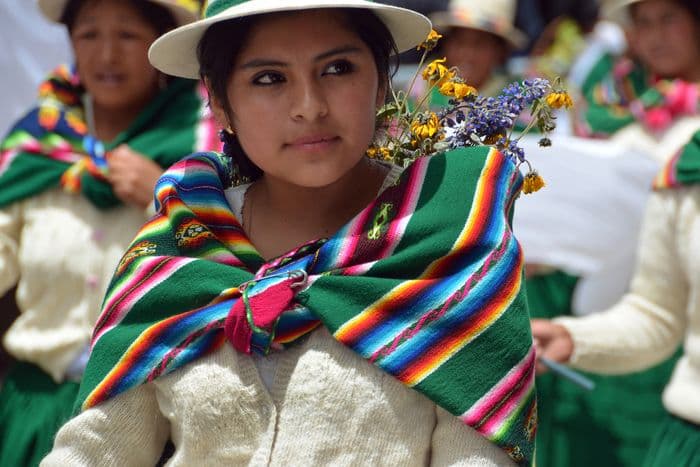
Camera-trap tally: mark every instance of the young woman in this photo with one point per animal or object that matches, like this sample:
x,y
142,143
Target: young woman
x,y
294,302
76,180
648,99
660,312
478,39
648,102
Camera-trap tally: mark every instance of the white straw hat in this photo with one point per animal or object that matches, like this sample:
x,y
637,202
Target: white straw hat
x,y
494,16
184,11
617,10
175,53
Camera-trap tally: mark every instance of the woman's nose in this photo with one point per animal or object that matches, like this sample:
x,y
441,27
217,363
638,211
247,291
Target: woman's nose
x,y
309,101
109,50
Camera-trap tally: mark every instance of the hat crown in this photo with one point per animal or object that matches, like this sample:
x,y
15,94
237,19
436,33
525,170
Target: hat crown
x,y
493,10
214,7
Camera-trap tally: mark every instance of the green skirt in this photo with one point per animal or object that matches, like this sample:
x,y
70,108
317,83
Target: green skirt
x,y
677,443
32,409
611,426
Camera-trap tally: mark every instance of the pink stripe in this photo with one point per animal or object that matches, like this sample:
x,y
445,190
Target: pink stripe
x,y
403,217
500,417
207,139
352,239
484,405
129,293
398,227
6,159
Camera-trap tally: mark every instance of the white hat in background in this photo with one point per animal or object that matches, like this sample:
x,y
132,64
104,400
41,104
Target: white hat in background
x,y
616,10
494,16
184,11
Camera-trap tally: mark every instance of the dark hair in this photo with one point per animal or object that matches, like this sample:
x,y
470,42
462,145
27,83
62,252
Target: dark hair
x,y
158,16
691,6
216,64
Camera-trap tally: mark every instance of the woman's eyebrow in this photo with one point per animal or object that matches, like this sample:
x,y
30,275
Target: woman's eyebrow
x,y
264,62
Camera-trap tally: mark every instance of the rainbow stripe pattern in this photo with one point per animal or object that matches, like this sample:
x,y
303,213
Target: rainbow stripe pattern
x,y
619,92
51,145
425,282
683,168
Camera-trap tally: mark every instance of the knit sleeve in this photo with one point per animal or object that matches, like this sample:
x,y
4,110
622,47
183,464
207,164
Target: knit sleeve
x,y
127,430
10,226
648,323
456,444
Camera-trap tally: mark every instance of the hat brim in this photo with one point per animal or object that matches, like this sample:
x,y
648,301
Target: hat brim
x,y
53,10
175,53
444,21
618,11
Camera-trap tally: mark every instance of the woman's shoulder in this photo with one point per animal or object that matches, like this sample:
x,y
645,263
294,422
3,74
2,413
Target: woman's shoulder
x,y
474,159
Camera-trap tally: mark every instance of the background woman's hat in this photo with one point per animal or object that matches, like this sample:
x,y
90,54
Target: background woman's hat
x,y
617,10
494,16
175,53
184,11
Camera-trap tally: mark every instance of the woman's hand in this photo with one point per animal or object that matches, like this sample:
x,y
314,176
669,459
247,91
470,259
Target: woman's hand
x,y
132,175
552,341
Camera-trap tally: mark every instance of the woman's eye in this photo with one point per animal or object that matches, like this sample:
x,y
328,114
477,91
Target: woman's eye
x,y
86,34
340,67
268,78
127,35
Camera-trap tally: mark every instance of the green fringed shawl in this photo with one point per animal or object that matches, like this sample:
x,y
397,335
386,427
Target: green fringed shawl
x,y
425,283
619,92
51,146
683,169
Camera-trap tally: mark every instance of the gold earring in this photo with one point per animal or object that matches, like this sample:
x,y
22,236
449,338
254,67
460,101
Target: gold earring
x,y
229,130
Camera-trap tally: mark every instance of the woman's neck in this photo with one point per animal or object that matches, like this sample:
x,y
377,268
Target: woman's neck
x,y
108,123
305,214
692,76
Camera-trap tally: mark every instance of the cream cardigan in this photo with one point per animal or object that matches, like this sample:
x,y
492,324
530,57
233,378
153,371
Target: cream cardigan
x,y
662,309
61,252
317,403
326,406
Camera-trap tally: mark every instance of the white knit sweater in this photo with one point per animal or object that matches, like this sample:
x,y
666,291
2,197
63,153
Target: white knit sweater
x,y
661,146
61,252
326,406
317,403
662,309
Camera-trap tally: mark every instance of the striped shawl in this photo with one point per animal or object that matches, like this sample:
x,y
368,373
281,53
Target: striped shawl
x,y
425,282
51,145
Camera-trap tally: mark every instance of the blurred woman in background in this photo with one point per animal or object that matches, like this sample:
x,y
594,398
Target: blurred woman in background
x,y
76,181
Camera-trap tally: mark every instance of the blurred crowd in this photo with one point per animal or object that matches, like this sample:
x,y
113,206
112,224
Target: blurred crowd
x,y
632,68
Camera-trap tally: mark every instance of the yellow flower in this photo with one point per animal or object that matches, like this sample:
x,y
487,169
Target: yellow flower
x,y
494,138
557,100
192,5
425,127
457,90
383,152
437,73
430,42
532,183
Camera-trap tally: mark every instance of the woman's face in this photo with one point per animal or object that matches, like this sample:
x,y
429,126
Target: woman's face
x,y
110,40
303,95
666,38
476,53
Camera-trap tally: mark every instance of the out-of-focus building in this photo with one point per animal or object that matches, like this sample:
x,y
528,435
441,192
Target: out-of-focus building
x,y
31,47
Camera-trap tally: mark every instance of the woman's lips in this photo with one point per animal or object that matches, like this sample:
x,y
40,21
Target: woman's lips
x,y
313,143
110,79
